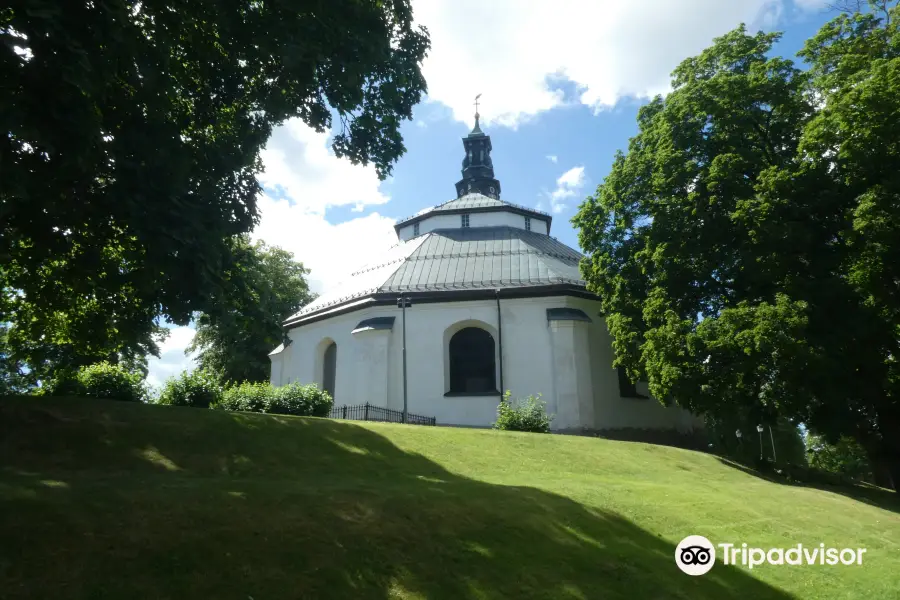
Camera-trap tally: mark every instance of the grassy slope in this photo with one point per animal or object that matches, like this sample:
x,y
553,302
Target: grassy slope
x,y
100,499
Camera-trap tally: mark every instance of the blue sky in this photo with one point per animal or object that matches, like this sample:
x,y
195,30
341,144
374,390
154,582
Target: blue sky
x,y
561,84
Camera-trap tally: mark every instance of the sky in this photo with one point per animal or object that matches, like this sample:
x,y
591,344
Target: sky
x,y
561,84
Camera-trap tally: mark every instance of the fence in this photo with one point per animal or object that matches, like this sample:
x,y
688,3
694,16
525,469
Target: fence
x,y
368,412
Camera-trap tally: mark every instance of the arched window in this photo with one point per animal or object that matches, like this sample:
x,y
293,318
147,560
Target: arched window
x,y
329,368
472,362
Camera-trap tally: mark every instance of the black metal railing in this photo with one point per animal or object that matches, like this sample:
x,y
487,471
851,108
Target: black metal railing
x,y
368,412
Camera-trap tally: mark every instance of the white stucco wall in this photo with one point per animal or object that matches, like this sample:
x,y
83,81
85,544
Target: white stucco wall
x,y
483,219
569,364
611,411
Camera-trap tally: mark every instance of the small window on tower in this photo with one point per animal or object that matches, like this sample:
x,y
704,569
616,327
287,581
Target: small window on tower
x,y
465,220
415,229
527,223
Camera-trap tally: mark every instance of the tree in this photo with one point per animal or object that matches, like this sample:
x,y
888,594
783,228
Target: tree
x,y
235,335
38,345
845,457
14,376
133,133
746,246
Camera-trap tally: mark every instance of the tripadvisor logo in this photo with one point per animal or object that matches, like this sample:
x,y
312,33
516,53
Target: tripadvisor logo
x,y
696,555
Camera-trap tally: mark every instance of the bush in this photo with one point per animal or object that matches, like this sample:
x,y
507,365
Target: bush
x,y
291,399
199,389
100,380
296,399
529,414
252,397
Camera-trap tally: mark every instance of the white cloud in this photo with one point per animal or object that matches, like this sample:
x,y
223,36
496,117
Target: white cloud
x,y
507,49
552,158
172,359
568,185
299,160
331,251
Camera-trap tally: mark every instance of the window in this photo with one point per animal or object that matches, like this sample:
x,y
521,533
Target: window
x,y
465,220
329,368
472,362
415,229
527,223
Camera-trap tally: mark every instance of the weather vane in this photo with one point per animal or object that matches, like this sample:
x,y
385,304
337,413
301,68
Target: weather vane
x,y
476,106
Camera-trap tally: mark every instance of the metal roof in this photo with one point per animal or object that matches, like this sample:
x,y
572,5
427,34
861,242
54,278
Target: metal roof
x,y
469,258
567,314
473,201
374,324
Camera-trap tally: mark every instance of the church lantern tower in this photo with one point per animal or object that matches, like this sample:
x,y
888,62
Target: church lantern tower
x,y
477,167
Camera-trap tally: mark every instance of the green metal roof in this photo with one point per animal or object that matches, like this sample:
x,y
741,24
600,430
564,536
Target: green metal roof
x,y
460,259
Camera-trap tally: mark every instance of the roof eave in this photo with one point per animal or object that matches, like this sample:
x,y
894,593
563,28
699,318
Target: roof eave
x,y
481,209
431,296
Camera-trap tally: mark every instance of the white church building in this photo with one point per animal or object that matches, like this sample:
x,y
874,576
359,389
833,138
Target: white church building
x,y
493,303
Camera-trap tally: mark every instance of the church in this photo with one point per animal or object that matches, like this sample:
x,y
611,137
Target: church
x,y
474,299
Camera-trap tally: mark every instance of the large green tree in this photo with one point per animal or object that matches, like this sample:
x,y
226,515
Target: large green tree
x,y
746,245
133,130
264,286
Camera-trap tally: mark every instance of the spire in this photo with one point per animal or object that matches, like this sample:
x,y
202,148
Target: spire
x,y
477,130
477,167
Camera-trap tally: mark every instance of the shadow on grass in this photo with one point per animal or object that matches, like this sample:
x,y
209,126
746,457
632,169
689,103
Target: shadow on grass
x,y
120,501
867,494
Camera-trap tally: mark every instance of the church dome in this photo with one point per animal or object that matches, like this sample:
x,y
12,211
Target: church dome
x,y
473,246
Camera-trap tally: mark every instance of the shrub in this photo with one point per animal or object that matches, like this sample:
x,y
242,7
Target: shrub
x,y
296,399
529,414
104,380
200,389
291,399
63,383
247,396
100,380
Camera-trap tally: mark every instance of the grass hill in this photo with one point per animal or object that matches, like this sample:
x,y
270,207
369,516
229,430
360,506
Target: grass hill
x,y
104,499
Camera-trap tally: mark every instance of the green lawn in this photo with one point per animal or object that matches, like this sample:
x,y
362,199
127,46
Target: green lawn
x,y
102,499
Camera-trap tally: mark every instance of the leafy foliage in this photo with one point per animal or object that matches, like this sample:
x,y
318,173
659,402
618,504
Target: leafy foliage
x,y
746,247
290,399
200,388
297,399
263,286
246,396
132,143
529,414
14,377
846,457
100,380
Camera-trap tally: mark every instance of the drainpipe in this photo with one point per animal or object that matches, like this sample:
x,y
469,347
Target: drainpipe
x,y
405,413
500,339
